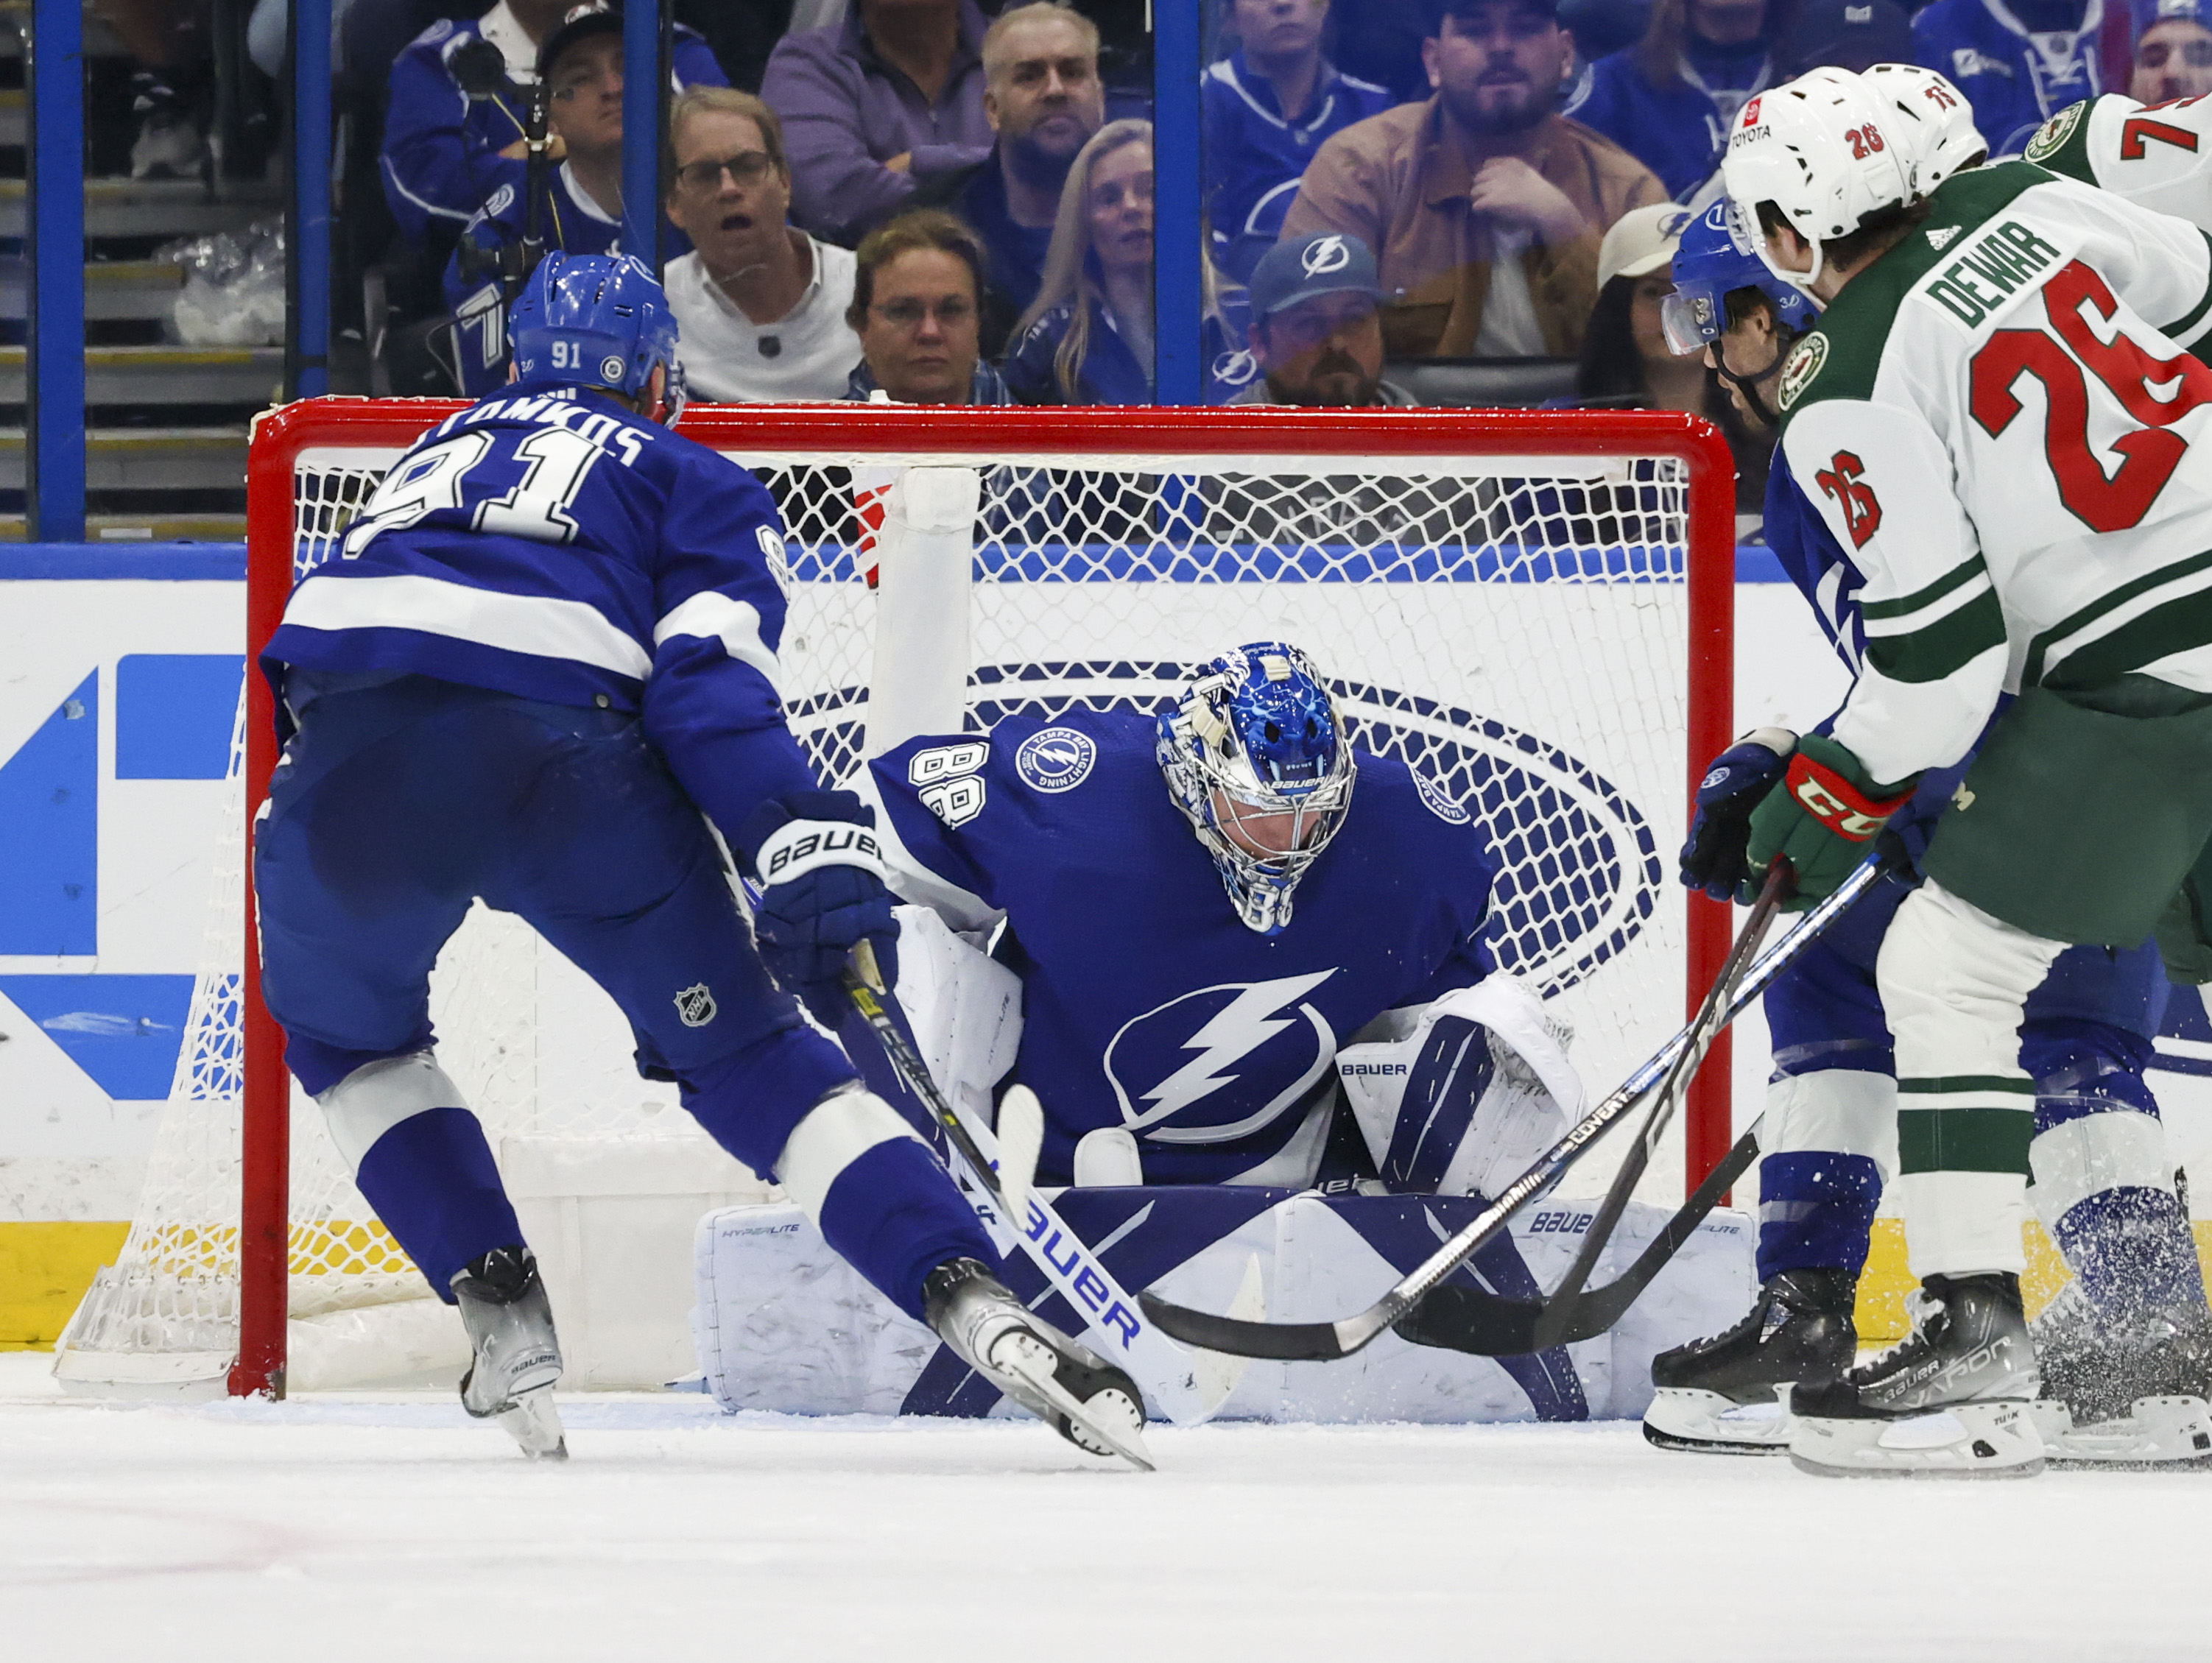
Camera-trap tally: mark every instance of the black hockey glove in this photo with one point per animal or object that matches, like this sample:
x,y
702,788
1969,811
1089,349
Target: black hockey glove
x,y
815,855
1741,776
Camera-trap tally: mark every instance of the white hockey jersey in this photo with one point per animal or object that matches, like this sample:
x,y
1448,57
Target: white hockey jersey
x,y
2159,155
2001,420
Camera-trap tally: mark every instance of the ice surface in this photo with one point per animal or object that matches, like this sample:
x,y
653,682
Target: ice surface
x,y
390,1527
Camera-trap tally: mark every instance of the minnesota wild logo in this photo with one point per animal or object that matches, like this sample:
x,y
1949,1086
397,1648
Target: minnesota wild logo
x,y
2051,137
1805,360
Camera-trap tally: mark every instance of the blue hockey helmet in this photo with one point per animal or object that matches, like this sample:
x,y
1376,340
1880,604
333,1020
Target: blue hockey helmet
x,y
1256,758
1717,257
596,320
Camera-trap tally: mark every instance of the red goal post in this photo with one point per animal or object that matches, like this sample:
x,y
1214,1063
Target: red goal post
x,y
1688,453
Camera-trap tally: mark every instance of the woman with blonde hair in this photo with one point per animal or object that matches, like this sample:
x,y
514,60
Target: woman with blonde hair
x,y
1087,337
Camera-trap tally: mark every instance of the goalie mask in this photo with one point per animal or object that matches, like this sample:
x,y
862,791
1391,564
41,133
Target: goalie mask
x,y
1256,758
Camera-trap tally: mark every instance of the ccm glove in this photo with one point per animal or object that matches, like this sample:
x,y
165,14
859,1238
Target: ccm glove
x,y
1822,817
821,871
1713,859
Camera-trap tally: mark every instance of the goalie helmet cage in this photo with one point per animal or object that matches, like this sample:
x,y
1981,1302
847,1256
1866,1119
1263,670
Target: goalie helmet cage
x,y
1414,552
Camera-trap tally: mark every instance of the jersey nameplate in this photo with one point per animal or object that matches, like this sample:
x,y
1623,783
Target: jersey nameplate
x,y
1977,285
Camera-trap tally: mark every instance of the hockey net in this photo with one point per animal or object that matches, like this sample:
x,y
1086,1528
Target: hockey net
x,y
1532,609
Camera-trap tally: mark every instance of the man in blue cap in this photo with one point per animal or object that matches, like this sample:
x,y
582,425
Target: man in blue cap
x,y
1316,333
2173,50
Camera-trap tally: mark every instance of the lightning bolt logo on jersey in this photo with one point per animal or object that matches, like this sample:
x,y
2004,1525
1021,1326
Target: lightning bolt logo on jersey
x,y
1147,1003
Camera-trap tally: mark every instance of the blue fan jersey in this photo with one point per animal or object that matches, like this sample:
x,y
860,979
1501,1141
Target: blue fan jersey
x,y
2016,77
1255,156
570,221
1145,1002
1680,132
548,544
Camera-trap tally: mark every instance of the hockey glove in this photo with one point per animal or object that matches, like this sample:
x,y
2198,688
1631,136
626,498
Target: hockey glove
x,y
820,868
1822,817
1713,859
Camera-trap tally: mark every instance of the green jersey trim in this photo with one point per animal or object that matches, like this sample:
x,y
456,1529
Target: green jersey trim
x,y
2167,611
1944,647
1875,610
1949,1082
1856,325
1963,1139
2181,329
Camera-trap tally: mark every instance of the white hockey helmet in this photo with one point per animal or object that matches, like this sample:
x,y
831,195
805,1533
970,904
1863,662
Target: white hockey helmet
x,y
1818,149
1933,127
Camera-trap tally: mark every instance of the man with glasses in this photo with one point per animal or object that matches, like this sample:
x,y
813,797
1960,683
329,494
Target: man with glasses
x,y
917,292
761,303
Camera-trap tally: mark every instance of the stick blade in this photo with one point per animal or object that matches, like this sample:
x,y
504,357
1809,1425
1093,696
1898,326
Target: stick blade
x,y
1281,1342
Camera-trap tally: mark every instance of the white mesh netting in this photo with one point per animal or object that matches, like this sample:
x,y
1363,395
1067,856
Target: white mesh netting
x,y
1515,630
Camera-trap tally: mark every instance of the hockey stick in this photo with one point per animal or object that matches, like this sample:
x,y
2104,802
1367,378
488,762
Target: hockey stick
x,y
1705,1027
1167,1373
1322,1342
1473,1319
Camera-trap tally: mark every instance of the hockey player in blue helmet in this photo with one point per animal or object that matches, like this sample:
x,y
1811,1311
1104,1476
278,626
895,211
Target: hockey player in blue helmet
x,y
2135,1325
545,658
1298,996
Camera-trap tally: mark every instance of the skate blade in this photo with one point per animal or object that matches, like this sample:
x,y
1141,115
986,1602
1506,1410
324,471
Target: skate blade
x,y
534,1424
2167,1434
1965,1441
1033,1363
1707,1423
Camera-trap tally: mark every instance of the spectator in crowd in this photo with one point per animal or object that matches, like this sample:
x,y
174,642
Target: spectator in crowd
x,y
581,210
2174,52
1087,337
917,304
2019,63
882,112
760,306
458,126
1043,98
1625,364
1268,105
1846,34
173,83
1670,99
1484,205
1314,331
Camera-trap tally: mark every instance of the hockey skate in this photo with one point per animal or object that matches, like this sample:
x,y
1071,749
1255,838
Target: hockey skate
x,y
1729,1394
517,1358
2128,1394
1088,1401
1950,1400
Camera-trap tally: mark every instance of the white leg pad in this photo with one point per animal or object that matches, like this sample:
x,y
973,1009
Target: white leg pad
x,y
1961,1224
2081,1158
1844,1109
836,1131
377,1097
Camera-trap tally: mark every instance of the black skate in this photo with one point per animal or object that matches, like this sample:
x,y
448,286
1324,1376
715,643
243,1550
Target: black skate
x,y
1085,1399
1724,1394
1950,1400
2129,1393
517,1358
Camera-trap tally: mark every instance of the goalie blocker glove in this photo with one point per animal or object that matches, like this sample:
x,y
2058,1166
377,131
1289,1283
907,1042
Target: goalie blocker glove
x,y
1820,817
1713,859
819,865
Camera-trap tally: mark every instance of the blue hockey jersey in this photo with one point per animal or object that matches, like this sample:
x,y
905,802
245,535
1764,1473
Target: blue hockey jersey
x,y
2016,76
1145,1002
1255,156
441,157
548,544
1680,131
570,221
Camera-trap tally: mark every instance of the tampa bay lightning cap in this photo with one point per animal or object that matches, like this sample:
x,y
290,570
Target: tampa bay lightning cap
x,y
1320,262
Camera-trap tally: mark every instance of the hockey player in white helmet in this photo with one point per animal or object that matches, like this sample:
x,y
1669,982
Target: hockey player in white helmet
x,y
2021,490
2159,156
1930,123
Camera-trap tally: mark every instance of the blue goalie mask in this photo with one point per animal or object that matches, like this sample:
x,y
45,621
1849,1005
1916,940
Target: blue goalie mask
x,y
1256,758
1717,257
596,320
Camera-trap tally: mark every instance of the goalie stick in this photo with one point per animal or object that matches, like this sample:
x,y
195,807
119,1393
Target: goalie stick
x,y
1165,1372
1323,1342
1781,883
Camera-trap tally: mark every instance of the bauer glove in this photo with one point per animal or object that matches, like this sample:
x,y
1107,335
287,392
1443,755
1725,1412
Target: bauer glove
x,y
1822,817
820,868
1713,859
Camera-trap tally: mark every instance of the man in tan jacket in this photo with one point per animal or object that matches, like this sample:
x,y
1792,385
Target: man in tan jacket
x,y
1485,206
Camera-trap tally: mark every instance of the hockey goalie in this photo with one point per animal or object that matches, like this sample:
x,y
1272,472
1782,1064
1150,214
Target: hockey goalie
x,y
1240,964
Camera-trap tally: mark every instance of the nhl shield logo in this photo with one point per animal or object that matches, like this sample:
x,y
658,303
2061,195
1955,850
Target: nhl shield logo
x,y
696,1005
